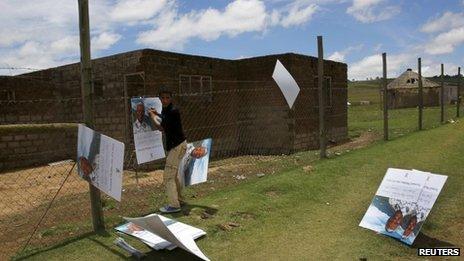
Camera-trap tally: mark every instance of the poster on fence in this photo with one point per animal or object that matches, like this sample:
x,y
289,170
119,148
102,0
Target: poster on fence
x,y
148,140
286,83
100,161
402,203
193,168
153,240
171,231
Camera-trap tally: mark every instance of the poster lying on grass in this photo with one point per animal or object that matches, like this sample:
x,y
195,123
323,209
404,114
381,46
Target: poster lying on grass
x,y
402,203
193,168
100,161
169,231
156,242
147,139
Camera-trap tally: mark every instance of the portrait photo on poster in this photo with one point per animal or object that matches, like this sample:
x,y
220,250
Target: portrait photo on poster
x,y
193,168
148,140
402,203
100,161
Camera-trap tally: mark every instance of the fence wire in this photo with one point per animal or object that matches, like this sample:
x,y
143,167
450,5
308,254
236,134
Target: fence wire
x,y
254,134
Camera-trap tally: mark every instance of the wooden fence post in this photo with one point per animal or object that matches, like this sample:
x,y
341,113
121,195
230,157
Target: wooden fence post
x,y
420,92
385,97
320,75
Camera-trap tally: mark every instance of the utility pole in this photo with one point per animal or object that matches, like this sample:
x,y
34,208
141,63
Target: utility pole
x,y
320,82
87,103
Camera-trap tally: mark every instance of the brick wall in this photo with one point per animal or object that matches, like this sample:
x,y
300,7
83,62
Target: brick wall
x,y
34,145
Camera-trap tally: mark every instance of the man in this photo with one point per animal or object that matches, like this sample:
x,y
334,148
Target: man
x,y
176,146
394,221
142,122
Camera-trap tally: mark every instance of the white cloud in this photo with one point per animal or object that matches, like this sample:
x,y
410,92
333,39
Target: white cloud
x,y
445,42
339,56
299,13
371,66
104,40
369,11
136,10
445,22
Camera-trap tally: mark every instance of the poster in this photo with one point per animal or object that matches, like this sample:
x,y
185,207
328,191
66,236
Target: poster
x,y
100,161
148,140
156,242
193,168
402,203
286,83
154,224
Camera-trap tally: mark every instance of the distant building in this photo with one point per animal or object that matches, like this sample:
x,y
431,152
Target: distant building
x,y
403,91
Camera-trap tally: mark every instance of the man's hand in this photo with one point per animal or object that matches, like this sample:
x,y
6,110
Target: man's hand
x,y
153,112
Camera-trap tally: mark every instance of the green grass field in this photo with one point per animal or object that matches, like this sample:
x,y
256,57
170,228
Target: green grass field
x,y
298,215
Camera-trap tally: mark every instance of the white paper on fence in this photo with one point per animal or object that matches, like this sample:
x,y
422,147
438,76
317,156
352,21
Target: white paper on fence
x,y
148,146
286,83
157,242
148,142
107,163
182,239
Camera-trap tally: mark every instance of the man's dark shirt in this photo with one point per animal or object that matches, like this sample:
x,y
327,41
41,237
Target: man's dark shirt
x,y
172,126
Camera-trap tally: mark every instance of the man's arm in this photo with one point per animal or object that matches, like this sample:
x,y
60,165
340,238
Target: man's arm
x,y
153,114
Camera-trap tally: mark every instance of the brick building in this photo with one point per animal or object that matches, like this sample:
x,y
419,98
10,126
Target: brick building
x,y
235,102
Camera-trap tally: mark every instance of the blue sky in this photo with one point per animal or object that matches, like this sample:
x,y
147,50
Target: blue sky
x,y
43,34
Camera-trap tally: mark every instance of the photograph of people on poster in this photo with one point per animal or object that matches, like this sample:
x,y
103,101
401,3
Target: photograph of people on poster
x,y
148,140
193,167
100,161
402,203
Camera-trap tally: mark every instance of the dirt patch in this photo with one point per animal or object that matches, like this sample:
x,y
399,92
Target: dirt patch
x,y
365,139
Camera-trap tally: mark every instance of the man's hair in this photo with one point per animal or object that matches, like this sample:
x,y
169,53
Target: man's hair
x,y
164,90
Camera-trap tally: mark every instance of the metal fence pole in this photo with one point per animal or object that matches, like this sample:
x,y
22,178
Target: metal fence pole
x,y
458,94
320,75
442,95
420,92
385,97
87,103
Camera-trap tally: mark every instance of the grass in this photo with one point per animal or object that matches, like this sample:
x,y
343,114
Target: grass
x,y
298,215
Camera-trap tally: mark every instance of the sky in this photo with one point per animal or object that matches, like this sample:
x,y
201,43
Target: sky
x,y
42,34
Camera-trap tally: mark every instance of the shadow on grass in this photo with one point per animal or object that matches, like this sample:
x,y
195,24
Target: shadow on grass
x,y
424,241
31,253
175,254
187,208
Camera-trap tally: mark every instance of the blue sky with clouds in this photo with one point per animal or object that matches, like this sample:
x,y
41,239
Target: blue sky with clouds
x,y
43,34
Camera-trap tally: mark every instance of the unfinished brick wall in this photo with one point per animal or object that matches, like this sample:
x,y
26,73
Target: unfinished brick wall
x,y
23,146
244,114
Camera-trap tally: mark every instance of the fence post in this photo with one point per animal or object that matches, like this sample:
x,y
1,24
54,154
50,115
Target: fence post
x,y
320,91
442,95
87,103
421,93
458,94
385,97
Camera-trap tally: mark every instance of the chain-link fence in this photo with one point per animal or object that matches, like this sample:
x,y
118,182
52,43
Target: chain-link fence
x,y
254,134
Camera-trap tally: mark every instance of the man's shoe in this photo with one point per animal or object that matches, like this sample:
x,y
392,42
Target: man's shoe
x,y
168,209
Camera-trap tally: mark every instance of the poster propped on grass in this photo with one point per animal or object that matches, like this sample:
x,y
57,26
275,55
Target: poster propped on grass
x,y
402,203
100,161
147,139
